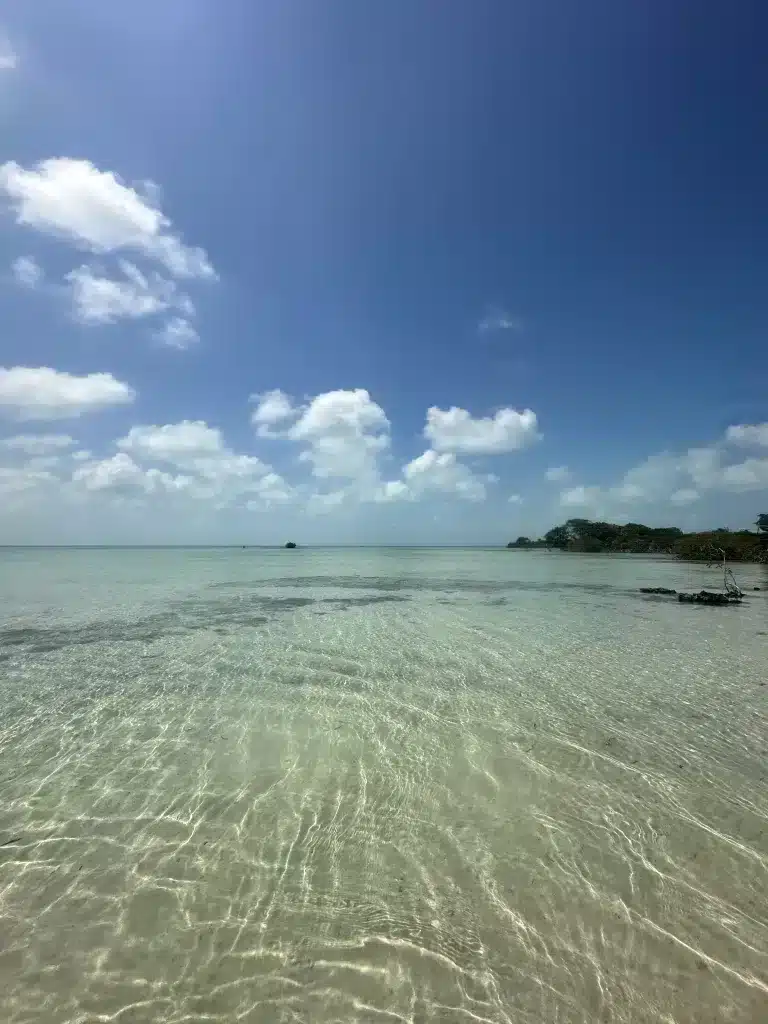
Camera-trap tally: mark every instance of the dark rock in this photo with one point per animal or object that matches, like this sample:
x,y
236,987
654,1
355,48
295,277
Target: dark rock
x,y
709,597
290,544
656,590
755,588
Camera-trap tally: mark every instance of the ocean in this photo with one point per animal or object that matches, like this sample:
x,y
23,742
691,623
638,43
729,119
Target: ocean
x,y
379,785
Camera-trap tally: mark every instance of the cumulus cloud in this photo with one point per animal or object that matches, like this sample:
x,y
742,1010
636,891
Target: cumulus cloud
x,y
27,272
74,200
37,444
178,333
272,489
121,474
455,430
96,211
174,442
681,478
440,471
41,393
97,299
750,475
344,433
558,474
755,434
393,490
199,451
515,499
272,407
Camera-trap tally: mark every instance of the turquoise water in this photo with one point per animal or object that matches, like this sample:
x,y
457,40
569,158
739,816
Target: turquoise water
x,y
379,785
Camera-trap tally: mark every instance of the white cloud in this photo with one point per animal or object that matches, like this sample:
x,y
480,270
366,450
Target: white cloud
x,y
515,499
455,430
345,431
74,200
22,480
499,320
102,300
199,451
558,474
685,496
41,393
272,489
393,490
326,501
9,59
440,471
27,271
120,473
37,444
174,442
116,473
580,496
752,474
702,465
272,407
651,480
682,478
178,333
748,434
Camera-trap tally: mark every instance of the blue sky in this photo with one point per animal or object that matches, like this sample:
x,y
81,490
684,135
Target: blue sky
x,y
352,272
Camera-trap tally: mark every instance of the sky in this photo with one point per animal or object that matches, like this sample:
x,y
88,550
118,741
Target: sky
x,y
423,271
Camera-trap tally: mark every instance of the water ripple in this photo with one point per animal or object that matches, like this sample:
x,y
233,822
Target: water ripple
x,y
547,809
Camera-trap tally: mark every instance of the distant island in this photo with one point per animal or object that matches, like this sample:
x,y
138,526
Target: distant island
x,y
290,544
634,538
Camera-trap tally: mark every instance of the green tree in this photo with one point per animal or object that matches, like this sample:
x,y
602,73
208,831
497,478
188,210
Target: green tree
x,y
557,537
762,523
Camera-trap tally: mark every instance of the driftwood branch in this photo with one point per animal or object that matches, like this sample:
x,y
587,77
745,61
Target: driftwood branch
x,y
730,586
731,593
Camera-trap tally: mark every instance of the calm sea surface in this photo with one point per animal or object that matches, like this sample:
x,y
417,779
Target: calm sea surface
x,y
379,786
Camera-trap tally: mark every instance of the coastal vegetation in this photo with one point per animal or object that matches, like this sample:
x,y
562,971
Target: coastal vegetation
x,y
635,538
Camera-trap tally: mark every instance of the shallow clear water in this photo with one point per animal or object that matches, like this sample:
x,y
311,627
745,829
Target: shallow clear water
x,y
379,785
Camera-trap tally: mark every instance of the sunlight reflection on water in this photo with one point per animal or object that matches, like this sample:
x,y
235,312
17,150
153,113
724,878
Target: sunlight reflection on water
x,y
396,785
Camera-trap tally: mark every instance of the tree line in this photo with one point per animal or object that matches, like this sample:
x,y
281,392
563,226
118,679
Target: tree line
x,y
635,538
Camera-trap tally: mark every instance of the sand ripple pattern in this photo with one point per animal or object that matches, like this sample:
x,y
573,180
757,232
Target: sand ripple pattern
x,y
378,787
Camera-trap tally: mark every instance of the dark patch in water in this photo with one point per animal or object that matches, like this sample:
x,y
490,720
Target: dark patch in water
x,y
42,640
285,604
182,617
388,584
345,603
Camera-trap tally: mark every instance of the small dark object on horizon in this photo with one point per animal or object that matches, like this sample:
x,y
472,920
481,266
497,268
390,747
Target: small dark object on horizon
x,y
755,588
709,597
656,590
290,544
